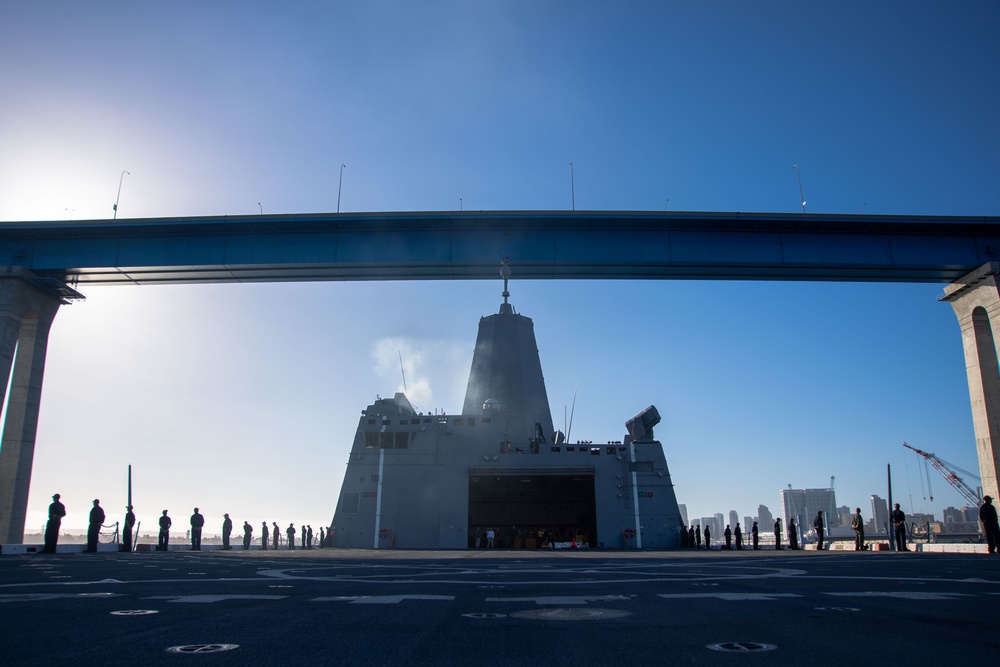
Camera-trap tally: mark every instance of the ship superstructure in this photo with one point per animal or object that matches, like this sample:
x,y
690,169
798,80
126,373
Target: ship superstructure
x,y
441,481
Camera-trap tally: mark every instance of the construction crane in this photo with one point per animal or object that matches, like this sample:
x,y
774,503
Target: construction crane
x,y
947,471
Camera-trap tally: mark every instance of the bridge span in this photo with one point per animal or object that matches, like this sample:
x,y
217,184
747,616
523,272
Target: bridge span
x,y
469,245
43,264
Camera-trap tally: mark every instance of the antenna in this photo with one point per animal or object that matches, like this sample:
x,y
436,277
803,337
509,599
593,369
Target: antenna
x,y
402,370
572,410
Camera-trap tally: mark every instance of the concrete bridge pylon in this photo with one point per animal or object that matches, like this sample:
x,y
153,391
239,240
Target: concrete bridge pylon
x,y
975,299
26,314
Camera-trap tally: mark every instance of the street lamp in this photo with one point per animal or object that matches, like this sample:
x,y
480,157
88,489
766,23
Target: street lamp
x,y
340,186
119,193
798,172
261,208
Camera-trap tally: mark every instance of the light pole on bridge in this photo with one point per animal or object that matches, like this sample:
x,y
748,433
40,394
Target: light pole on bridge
x,y
341,185
798,172
120,178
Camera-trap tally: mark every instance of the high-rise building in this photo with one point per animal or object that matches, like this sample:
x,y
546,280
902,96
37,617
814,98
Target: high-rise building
x,y
952,515
880,515
803,505
684,514
734,519
764,516
747,522
843,517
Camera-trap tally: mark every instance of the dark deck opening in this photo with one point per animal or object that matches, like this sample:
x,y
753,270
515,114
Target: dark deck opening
x,y
526,511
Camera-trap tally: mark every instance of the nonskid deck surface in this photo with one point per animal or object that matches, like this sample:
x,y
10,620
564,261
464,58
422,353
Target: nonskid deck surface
x,y
439,608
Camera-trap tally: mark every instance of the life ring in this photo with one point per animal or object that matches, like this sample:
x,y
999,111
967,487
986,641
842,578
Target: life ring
x,y
629,533
384,533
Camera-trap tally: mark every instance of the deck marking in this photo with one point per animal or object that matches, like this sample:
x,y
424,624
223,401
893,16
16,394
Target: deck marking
x,y
904,595
381,599
205,599
563,599
732,597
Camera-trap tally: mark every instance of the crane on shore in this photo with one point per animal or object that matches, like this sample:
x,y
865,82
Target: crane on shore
x,y
948,471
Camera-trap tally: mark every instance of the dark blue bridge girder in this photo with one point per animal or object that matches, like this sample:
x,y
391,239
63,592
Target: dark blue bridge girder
x,y
470,245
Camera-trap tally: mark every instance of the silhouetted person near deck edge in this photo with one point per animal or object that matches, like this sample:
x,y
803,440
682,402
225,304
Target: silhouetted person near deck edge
x,y
898,519
94,527
197,522
793,535
754,536
127,529
227,532
818,525
247,535
738,534
263,536
858,524
291,535
276,535
777,533
708,539
56,512
988,515
163,540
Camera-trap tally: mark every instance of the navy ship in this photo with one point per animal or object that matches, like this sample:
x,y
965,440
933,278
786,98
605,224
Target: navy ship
x,y
499,470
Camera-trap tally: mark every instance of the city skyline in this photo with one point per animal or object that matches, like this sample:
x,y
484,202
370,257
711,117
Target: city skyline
x,y
245,398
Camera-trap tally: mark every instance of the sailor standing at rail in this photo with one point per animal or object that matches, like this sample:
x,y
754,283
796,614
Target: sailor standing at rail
x,y
988,515
291,535
898,519
247,535
777,533
858,524
127,529
56,512
94,529
164,537
793,535
754,536
197,522
227,531
263,535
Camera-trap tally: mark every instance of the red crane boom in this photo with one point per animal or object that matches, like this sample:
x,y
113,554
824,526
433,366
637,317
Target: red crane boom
x,y
947,471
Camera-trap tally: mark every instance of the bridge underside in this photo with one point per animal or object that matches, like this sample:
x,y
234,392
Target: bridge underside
x,y
542,245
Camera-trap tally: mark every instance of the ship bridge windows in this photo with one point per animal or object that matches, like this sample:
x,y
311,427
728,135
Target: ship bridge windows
x,y
387,439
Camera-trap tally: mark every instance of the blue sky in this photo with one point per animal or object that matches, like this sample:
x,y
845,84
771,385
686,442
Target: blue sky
x,y
244,398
